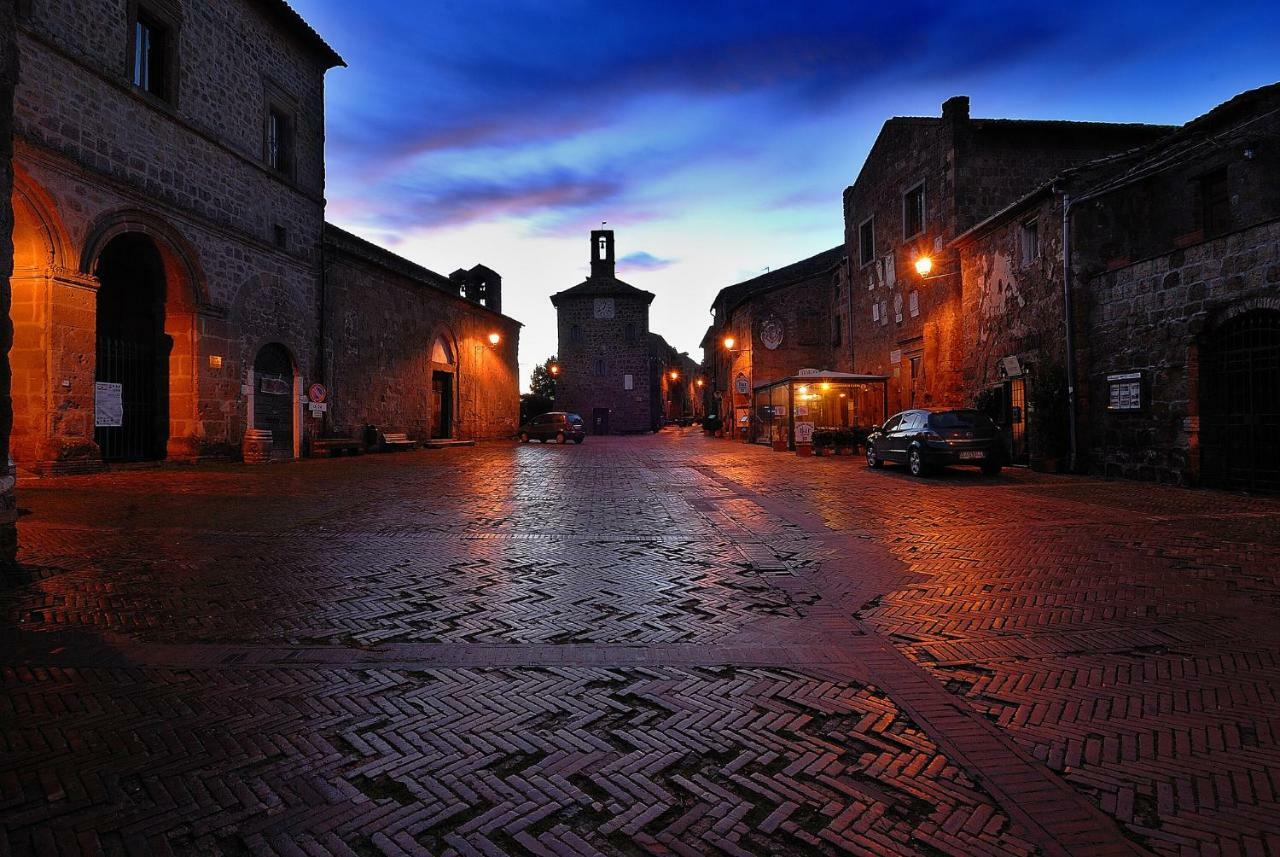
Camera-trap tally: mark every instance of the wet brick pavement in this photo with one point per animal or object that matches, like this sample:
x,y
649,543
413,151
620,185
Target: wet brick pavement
x,y
649,645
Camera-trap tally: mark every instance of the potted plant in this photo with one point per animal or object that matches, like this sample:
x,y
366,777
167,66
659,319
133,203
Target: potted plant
x,y
822,442
846,441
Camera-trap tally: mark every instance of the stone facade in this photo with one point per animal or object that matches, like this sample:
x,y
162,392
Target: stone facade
x,y
781,322
925,181
398,334
8,78
607,373
168,237
1171,245
180,170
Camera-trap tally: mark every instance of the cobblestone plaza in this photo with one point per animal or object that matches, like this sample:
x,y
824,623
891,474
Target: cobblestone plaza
x,y
652,645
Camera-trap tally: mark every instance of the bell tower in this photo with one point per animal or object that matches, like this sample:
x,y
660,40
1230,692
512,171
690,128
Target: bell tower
x,y
602,253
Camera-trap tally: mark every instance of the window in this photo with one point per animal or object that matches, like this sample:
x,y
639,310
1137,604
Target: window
x,y
1215,203
279,143
599,367
628,382
282,237
913,212
867,241
1029,242
913,304
152,42
575,333
630,332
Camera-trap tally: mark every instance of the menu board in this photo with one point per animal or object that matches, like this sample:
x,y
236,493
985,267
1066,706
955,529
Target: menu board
x,y
1124,392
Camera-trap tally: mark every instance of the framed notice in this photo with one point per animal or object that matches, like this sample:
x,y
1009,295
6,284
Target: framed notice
x,y
1124,392
108,404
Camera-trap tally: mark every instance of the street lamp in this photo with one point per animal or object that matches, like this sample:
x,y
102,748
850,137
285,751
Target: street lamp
x,y
495,338
674,374
924,264
728,342
554,368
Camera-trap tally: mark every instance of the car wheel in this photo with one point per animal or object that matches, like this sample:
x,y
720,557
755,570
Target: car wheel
x,y
991,470
524,437
915,463
872,461
560,437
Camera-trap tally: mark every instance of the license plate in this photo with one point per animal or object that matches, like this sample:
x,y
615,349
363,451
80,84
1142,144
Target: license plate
x,y
971,456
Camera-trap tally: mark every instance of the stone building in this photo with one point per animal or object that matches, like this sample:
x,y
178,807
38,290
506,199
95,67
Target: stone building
x,y
168,234
1173,252
925,181
408,353
779,322
606,366
676,380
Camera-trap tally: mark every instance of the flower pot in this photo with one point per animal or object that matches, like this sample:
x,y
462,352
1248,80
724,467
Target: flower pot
x,y
779,446
805,449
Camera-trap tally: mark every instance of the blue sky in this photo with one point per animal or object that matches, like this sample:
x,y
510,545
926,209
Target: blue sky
x,y
714,137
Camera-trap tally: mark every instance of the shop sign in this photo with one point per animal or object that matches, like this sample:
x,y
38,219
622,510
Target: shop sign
x,y
741,384
108,404
804,432
1124,392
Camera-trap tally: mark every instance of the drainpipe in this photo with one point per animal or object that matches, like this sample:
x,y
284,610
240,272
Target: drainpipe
x,y
1068,318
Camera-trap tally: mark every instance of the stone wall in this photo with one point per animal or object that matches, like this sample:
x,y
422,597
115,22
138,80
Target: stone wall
x,y
97,158
8,78
1150,317
385,316
1012,309
594,363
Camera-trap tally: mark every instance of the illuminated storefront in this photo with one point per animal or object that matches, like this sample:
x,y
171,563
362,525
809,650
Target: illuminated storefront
x,y
790,410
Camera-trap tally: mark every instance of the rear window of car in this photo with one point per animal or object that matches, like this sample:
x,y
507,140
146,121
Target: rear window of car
x,y
959,419
575,419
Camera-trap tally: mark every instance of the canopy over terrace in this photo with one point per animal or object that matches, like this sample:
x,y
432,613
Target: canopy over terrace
x,y
791,409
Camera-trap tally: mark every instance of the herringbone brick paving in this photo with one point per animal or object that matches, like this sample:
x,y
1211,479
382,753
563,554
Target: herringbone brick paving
x,y
641,645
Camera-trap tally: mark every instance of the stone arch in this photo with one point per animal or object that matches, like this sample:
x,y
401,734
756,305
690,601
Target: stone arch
x,y
44,286
185,295
1234,310
294,394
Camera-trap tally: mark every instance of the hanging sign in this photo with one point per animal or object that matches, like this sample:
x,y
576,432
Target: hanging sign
x,y
742,385
108,404
317,393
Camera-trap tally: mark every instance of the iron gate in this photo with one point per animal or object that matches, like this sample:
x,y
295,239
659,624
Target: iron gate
x,y
1240,404
132,364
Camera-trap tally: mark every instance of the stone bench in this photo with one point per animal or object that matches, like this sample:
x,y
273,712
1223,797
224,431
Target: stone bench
x,y
397,440
333,446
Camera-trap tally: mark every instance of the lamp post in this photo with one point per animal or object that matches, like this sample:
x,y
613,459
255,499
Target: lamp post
x,y
729,343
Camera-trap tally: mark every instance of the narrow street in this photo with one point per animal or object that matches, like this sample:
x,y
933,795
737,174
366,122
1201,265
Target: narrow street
x,y
666,644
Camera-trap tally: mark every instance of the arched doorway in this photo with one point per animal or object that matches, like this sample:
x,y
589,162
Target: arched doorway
x,y
443,365
132,351
1240,403
274,399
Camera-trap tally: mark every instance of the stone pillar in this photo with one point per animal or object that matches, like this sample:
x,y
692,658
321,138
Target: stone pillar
x,y
8,78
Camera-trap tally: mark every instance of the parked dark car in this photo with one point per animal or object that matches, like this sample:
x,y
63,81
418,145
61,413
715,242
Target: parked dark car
x,y
923,440
559,426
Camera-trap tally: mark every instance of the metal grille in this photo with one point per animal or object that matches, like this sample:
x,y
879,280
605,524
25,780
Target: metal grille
x,y
1240,404
132,364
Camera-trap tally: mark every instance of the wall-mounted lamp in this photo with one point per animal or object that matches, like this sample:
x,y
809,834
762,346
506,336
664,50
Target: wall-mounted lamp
x,y
924,264
674,374
729,341
495,338
701,382
554,368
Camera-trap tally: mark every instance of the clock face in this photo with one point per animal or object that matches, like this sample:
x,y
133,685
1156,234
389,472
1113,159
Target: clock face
x,y
604,307
771,333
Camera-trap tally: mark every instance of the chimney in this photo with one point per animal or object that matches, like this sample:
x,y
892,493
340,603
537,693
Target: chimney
x,y
956,108
602,253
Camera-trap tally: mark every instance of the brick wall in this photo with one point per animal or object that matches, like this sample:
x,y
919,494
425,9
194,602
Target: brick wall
x,y
385,316
594,364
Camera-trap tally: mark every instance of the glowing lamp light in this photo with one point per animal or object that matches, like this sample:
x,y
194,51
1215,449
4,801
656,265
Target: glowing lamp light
x,y
554,369
495,338
701,382
728,341
924,265
674,374
826,385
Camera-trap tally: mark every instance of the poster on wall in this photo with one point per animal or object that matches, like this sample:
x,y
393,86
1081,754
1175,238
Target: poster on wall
x,y
1124,392
108,404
